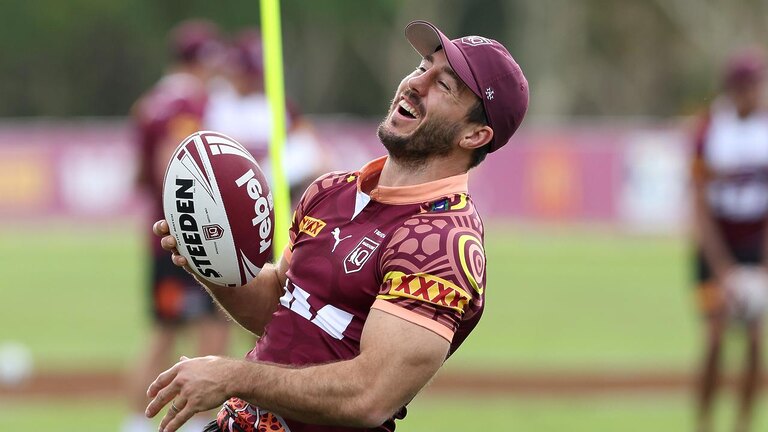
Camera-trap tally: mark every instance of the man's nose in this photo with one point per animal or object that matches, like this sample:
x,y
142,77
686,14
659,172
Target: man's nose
x,y
418,83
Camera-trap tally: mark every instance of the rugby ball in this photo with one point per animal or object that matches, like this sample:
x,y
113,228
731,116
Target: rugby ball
x,y
219,208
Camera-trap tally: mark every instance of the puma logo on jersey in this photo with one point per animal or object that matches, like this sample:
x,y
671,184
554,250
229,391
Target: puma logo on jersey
x,y
336,233
311,226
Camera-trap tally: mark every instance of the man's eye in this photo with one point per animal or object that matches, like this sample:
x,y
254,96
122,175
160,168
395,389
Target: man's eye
x,y
445,86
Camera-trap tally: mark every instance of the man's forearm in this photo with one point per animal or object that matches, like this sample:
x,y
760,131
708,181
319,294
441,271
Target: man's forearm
x,y
332,394
253,304
362,392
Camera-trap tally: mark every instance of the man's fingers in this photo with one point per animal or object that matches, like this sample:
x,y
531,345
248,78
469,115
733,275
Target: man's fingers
x,y
162,398
162,380
174,408
168,242
178,259
160,228
172,422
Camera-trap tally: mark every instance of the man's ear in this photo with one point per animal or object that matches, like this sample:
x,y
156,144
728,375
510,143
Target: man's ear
x,y
476,136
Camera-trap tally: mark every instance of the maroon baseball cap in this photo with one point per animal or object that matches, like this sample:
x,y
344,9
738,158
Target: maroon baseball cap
x,y
194,40
744,68
248,54
487,68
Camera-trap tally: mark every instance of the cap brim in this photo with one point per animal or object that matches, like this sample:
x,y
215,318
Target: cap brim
x,y
426,39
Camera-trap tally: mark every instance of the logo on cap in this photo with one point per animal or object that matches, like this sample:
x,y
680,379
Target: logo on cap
x,y
475,40
489,93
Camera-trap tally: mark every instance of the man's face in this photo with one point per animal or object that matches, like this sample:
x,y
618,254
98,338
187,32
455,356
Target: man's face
x,y
747,97
427,114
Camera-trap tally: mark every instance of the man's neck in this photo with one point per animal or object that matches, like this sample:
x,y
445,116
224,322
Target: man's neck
x,y
395,174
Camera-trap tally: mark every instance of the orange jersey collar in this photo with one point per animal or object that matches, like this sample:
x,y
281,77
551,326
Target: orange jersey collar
x,y
368,178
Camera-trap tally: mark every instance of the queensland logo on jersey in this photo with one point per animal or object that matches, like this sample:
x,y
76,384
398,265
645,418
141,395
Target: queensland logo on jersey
x,y
356,259
311,226
427,288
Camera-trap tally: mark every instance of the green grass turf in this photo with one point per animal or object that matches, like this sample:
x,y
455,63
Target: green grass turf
x,y
72,296
61,415
590,414
556,298
581,298
429,414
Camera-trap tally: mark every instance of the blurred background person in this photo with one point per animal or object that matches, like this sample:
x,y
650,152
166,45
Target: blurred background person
x,y
165,115
239,108
730,174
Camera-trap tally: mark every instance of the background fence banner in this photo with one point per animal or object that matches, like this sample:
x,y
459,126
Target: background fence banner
x,y
633,175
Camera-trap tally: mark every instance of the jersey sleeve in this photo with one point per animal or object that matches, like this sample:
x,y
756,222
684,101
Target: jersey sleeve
x,y
434,272
300,222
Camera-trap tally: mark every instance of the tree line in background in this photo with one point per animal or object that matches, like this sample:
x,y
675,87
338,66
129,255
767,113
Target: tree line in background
x,y
582,57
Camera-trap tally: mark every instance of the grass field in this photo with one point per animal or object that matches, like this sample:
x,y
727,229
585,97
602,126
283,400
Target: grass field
x,y
558,299
428,414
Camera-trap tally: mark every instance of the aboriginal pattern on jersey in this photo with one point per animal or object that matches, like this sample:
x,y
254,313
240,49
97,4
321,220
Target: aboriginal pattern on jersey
x,y
434,264
238,415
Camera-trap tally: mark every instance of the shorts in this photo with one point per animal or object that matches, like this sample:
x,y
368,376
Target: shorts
x,y
709,296
177,298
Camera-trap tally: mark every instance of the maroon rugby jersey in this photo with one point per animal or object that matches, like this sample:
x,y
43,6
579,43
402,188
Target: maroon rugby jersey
x,y
415,252
731,158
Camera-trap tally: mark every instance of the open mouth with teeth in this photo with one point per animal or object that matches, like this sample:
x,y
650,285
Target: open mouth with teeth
x,y
405,109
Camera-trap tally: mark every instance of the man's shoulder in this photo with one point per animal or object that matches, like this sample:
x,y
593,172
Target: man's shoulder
x,y
445,220
328,182
441,246
333,178
170,97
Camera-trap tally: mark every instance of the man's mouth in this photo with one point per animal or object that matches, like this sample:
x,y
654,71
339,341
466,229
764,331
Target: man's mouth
x,y
407,110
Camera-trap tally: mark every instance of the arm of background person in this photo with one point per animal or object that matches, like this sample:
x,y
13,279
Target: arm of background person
x,y
707,234
250,305
397,359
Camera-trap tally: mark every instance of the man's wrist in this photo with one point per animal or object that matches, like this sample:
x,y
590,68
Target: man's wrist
x,y
238,376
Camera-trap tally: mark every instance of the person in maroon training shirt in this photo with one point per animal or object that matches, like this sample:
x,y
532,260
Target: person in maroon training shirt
x,y
171,110
384,276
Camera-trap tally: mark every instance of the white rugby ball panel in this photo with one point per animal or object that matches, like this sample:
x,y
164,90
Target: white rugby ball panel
x,y
219,207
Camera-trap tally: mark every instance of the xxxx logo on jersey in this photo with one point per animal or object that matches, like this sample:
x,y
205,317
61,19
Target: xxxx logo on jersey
x,y
311,226
425,287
